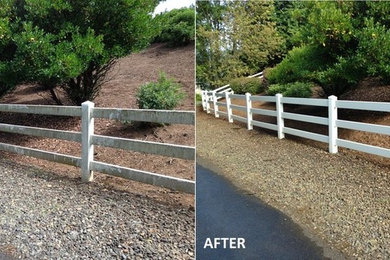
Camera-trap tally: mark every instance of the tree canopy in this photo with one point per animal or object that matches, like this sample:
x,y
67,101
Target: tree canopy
x,y
69,43
177,27
332,44
234,38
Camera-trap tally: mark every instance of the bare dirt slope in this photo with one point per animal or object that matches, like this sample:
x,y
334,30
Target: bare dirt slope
x,y
119,91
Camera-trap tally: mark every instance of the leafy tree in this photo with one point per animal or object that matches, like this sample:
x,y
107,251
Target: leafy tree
x,y
354,40
177,27
209,54
374,49
242,40
72,44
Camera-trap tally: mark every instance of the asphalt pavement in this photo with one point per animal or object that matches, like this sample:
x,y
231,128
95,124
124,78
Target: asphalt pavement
x,y
222,211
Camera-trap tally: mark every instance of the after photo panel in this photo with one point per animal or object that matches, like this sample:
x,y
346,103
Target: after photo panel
x,y
292,129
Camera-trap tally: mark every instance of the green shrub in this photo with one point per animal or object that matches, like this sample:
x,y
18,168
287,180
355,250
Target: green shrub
x,y
342,76
198,97
300,65
163,94
374,50
244,85
296,89
177,27
70,44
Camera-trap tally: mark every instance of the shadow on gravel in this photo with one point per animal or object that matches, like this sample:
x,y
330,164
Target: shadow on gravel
x,y
68,182
223,211
6,257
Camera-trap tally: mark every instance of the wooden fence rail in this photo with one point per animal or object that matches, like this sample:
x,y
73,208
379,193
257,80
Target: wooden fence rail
x,y
88,139
210,105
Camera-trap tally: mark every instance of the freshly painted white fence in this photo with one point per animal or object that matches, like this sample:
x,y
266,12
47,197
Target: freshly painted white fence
x,y
331,120
88,139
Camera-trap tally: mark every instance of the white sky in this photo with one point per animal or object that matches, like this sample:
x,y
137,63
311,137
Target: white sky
x,y
172,4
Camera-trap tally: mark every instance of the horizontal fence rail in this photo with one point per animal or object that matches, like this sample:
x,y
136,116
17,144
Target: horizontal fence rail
x,y
145,177
41,132
171,150
364,105
146,115
331,120
49,156
88,139
41,110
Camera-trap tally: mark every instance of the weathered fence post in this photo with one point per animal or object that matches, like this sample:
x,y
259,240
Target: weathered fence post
x,y
332,115
249,115
87,129
216,114
228,108
204,100
202,95
207,102
279,118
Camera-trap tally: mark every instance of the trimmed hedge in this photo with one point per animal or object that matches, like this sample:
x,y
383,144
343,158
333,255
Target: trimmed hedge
x,y
296,89
244,85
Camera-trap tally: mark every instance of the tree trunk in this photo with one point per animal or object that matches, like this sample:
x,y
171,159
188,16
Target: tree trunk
x,y
51,88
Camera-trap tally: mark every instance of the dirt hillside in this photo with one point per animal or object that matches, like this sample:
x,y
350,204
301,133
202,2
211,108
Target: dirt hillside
x,y
118,91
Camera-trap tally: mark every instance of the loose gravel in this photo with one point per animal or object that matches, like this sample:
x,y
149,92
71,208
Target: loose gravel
x,y
343,199
44,216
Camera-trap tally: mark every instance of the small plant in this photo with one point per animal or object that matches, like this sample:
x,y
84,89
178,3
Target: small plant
x,y
198,98
163,94
296,89
244,85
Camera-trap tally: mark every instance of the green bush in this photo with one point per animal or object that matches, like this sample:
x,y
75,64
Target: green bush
x,y
342,76
176,27
296,89
163,94
70,44
374,50
244,85
198,97
300,65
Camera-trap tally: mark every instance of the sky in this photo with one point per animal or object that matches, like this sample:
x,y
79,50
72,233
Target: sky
x,y
172,4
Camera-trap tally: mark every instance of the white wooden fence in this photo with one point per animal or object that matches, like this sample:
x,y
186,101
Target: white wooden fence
x,y
211,104
88,139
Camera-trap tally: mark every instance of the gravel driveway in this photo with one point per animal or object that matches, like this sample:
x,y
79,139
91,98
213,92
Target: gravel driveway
x,y
45,216
340,198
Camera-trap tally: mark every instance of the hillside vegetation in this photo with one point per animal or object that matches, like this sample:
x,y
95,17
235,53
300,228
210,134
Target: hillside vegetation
x,y
301,45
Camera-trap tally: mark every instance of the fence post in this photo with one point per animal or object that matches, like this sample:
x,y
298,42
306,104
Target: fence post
x,y
279,118
207,102
87,130
204,100
203,104
333,131
216,114
228,108
249,115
